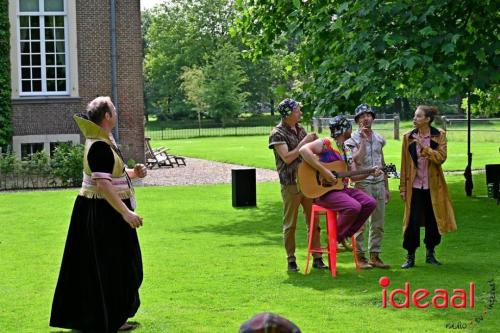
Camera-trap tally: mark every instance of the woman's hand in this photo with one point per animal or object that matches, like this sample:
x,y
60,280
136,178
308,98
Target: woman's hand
x,y
140,170
418,140
134,220
403,195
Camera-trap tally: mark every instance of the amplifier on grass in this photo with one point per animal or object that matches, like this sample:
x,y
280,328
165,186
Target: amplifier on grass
x,y
493,180
244,187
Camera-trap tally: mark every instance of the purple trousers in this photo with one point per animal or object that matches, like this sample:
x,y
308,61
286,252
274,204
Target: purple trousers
x,y
354,207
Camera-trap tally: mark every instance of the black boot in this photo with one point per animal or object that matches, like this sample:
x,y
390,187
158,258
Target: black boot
x,y
292,267
318,264
430,258
410,261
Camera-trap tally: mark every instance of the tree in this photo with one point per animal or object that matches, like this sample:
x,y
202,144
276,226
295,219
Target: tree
x,y
181,33
5,86
224,78
486,104
186,34
193,84
382,50
377,50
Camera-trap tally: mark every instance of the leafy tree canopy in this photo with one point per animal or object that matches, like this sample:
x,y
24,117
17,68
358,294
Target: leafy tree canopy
x,y
379,50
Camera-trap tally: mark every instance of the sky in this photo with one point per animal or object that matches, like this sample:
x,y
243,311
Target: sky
x,y
145,4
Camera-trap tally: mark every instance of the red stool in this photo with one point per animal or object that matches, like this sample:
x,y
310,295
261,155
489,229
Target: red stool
x,y
331,248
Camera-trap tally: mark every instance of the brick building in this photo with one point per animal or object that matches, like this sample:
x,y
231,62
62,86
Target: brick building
x,y
62,57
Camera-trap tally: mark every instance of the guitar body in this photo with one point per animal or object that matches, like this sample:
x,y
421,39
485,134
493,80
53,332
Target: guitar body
x,y
313,185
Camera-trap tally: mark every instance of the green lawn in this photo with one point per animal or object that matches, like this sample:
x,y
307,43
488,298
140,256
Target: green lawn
x,y
208,267
253,151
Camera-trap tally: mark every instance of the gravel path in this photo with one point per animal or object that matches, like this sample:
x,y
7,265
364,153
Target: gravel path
x,y
199,171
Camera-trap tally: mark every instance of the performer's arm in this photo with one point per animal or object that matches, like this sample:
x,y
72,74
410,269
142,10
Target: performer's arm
x,y
139,171
359,151
354,167
288,156
308,152
105,187
439,155
101,161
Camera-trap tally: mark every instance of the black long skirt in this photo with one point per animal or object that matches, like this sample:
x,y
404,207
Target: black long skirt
x,y
101,270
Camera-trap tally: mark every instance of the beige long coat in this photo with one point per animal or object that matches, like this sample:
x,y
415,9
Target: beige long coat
x,y
436,154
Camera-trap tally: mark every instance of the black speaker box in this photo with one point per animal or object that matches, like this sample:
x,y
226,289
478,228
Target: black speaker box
x,y
493,177
244,187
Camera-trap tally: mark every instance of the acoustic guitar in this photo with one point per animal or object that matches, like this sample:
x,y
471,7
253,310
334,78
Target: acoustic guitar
x,y
313,185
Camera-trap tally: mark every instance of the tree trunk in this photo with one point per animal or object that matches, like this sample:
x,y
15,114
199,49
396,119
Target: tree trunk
x,y
397,106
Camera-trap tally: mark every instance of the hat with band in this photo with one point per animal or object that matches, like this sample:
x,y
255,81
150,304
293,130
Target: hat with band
x,y
339,125
286,107
363,108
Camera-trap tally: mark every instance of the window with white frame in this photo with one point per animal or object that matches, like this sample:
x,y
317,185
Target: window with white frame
x,y
43,45
28,149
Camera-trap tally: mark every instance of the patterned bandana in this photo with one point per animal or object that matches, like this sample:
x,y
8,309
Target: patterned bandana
x,y
363,108
286,107
268,323
339,125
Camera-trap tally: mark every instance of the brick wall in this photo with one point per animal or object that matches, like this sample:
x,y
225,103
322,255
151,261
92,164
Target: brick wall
x,y
130,77
94,70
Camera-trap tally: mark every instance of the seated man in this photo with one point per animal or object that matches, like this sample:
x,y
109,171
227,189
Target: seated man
x,y
354,206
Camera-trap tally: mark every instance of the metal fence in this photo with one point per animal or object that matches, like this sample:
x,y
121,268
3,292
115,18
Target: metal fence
x,y
388,127
487,130
207,128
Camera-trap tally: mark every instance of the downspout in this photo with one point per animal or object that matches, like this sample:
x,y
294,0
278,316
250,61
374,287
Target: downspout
x,y
114,90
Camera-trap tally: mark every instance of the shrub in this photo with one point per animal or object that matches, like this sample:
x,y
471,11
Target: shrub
x,y
67,164
36,170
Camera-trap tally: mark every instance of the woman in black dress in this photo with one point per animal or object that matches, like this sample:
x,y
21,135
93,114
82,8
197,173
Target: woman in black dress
x,y
101,270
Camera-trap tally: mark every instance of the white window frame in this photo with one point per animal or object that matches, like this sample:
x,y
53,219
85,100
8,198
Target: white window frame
x,y
41,14
45,139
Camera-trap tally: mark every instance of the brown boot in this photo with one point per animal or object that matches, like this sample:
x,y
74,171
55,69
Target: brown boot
x,y
362,262
375,261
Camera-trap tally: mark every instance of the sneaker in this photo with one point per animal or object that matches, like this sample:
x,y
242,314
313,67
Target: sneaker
x,y
292,266
318,263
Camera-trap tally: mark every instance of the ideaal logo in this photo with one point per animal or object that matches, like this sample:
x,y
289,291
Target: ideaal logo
x,y
419,298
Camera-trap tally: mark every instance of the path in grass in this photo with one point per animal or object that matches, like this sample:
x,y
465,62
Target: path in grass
x,y
198,171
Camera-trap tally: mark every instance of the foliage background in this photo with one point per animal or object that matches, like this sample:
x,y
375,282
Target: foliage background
x,y
5,86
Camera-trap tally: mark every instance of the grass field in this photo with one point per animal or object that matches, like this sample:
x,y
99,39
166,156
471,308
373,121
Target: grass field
x,y
208,267
253,151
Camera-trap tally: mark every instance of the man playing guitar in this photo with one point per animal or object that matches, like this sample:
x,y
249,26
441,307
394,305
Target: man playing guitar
x,y
354,206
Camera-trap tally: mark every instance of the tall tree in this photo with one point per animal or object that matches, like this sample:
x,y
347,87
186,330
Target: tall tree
x,y
193,84
224,78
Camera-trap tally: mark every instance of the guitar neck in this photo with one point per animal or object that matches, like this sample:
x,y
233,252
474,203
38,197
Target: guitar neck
x,y
353,173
